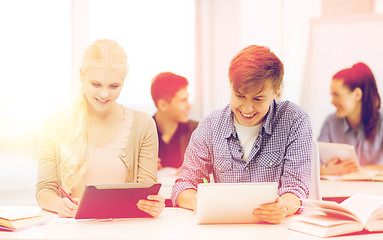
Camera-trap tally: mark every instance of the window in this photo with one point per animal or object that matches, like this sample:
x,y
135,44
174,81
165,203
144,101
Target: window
x,y
35,77
158,36
36,65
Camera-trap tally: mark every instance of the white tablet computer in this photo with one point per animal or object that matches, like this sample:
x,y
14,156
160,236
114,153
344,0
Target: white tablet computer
x,y
115,200
232,202
328,151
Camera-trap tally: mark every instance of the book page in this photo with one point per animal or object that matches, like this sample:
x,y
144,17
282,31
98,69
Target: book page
x,y
340,215
357,176
331,177
363,205
377,177
324,220
363,175
331,208
375,221
324,226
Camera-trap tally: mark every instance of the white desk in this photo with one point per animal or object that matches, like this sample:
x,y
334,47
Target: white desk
x,y
173,223
333,188
167,177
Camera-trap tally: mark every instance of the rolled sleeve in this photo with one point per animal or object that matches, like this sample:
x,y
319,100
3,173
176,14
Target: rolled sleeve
x,y
196,164
296,178
298,157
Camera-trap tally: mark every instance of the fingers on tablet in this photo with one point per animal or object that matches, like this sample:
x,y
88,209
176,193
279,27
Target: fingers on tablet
x,y
153,206
158,198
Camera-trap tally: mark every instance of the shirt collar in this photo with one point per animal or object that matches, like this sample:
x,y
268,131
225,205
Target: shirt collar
x,y
347,128
268,122
229,121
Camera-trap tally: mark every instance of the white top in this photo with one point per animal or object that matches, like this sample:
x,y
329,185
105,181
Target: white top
x,y
247,136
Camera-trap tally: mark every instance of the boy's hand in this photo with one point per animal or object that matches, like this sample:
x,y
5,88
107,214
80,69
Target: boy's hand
x,y
272,212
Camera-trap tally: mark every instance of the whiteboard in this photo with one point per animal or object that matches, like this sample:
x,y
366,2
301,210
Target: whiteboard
x,y
336,43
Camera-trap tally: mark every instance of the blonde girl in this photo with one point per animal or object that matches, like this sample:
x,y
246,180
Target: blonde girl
x,y
97,140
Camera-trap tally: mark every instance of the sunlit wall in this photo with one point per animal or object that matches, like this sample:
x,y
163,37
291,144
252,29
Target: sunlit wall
x,y
35,65
158,36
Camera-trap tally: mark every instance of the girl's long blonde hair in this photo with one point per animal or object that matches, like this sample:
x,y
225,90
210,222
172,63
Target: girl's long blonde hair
x,y
73,144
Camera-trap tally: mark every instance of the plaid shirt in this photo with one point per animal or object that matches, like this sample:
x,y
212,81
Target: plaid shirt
x,y
281,153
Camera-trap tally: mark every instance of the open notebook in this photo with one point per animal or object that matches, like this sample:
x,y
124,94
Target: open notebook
x,y
327,218
232,202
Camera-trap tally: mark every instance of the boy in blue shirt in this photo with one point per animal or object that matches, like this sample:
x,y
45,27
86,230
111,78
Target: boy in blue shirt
x,y
253,139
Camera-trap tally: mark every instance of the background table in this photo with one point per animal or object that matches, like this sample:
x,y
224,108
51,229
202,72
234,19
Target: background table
x,y
339,190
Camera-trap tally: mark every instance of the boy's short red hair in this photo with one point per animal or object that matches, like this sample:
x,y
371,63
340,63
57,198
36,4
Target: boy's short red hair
x,y
252,66
165,85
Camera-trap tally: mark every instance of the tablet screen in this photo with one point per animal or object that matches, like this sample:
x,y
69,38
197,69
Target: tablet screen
x,y
328,151
232,202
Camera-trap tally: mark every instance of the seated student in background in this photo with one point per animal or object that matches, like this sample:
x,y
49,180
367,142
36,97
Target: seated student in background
x,y
358,120
171,97
253,139
97,140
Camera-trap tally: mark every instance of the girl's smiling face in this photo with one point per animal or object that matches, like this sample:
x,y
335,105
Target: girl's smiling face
x,y
102,86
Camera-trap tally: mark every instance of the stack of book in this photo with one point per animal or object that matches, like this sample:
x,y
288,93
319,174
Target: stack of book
x,y
18,217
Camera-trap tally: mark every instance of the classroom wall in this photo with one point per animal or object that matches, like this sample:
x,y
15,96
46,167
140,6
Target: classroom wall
x,y
337,43
225,27
218,38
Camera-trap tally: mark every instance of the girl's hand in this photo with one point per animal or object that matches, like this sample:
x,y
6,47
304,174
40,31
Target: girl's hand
x,y
153,205
66,208
339,167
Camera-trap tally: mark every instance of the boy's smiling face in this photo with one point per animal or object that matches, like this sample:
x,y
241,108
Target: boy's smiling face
x,y
250,108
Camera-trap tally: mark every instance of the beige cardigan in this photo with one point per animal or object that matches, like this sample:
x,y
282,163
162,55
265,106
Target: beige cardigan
x,y
140,154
